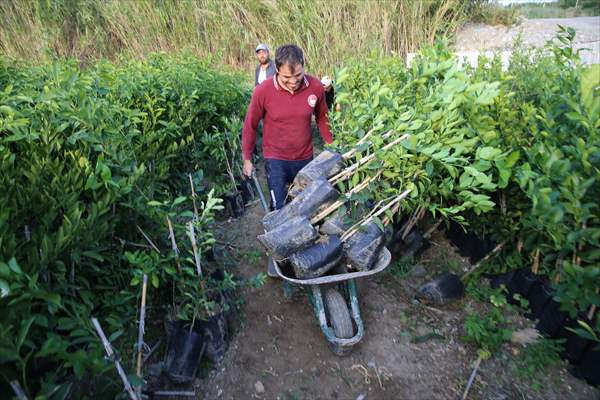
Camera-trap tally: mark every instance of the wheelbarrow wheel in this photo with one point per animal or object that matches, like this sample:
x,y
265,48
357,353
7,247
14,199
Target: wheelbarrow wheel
x,y
338,314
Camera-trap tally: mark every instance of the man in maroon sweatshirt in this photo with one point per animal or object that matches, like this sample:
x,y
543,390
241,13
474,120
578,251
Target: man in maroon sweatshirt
x,y
285,103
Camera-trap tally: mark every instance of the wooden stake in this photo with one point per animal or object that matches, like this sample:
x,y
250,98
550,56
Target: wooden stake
x,y
141,328
195,248
111,354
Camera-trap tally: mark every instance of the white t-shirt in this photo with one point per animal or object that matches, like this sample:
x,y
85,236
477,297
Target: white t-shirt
x,y
262,75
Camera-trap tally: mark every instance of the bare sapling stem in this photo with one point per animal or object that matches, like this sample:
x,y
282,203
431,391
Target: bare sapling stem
x,y
141,328
111,355
353,229
192,235
174,244
193,196
337,204
347,172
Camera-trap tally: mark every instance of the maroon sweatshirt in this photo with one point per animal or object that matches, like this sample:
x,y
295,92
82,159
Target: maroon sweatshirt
x,y
286,119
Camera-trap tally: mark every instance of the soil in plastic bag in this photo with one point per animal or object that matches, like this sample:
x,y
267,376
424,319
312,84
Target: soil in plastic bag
x,y
521,283
538,296
413,244
575,346
589,369
317,259
342,220
246,187
497,281
185,351
362,248
296,234
216,336
441,290
307,203
551,319
326,164
234,204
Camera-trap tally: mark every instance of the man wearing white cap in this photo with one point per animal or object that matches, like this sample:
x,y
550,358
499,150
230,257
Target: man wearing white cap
x,y
266,68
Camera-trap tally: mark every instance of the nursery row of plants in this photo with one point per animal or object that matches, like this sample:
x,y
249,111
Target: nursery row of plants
x,y
512,154
97,166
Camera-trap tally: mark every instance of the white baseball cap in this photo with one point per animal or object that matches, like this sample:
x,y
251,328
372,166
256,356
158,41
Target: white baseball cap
x,y
262,46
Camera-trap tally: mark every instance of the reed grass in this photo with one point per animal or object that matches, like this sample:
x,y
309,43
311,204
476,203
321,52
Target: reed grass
x,y
225,31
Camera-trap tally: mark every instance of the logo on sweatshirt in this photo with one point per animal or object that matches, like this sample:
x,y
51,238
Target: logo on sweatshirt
x,y
312,100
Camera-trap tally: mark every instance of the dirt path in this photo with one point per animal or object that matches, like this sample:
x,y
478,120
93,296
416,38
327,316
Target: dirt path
x,y
534,32
409,351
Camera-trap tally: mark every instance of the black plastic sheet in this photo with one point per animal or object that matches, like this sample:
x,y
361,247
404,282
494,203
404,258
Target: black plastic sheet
x,y
290,237
317,259
307,203
362,248
326,164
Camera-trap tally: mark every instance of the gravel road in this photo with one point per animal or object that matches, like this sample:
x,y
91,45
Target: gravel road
x,y
535,32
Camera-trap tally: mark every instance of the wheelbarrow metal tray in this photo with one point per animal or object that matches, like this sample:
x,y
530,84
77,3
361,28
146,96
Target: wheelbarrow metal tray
x,y
382,263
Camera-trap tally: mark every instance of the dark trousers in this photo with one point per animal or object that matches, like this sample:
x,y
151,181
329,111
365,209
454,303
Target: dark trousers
x,y
280,174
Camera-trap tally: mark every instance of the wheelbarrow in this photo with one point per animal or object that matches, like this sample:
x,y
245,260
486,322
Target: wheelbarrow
x,y
334,297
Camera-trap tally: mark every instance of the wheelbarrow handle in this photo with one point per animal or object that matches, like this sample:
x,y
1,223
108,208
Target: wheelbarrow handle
x,y
260,193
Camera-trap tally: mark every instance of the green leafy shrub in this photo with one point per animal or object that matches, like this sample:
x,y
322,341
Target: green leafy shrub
x,y
83,156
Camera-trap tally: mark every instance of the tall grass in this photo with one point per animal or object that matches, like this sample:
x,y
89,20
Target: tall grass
x,y
227,31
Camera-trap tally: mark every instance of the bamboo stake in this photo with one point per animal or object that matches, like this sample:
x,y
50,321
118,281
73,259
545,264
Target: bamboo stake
x,y
484,259
337,204
174,244
353,151
111,354
16,387
349,170
195,248
592,310
471,378
417,214
387,219
193,196
141,329
536,262
430,231
353,229
148,239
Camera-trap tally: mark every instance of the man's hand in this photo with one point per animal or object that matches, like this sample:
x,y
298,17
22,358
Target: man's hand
x,y
248,168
